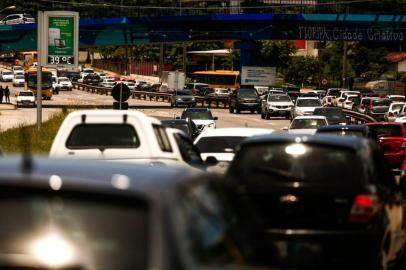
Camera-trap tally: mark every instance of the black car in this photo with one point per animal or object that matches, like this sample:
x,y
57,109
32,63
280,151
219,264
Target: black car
x,y
74,76
204,91
186,125
183,97
325,201
92,79
334,115
244,99
348,130
102,215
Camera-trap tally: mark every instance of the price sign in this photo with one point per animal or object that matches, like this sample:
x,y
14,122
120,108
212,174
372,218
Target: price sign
x,y
60,39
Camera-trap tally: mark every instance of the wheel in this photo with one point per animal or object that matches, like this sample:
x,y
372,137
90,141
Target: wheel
x,y
287,116
267,115
231,109
252,111
238,111
171,104
262,115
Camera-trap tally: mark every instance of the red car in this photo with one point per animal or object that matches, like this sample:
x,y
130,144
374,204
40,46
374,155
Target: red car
x,y
392,137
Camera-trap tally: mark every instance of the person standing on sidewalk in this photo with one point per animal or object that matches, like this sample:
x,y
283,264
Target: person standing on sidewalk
x,y
7,94
1,94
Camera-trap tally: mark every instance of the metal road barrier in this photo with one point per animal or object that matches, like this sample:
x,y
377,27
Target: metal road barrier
x,y
358,118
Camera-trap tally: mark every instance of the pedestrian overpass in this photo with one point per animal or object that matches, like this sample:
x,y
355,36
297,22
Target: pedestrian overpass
x,y
240,27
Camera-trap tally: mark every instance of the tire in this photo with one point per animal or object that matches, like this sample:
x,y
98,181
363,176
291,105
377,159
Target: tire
x,y
171,104
238,111
262,115
252,111
231,109
287,116
267,115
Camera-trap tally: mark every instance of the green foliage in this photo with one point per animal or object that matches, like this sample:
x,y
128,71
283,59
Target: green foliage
x,y
28,138
369,59
302,69
277,53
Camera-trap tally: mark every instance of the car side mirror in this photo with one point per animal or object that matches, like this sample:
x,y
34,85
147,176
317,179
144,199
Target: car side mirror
x,y
211,161
285,128
215,118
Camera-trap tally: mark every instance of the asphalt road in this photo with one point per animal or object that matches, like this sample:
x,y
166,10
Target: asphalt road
x,y
10,116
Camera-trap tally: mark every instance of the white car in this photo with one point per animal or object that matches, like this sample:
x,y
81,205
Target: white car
x,y
305,106
202,117
395,109
221,143
25,98
350,102
130,84
397,98
62,83
18,70
185,152
108,82
18,80
277,105
86,71
113,135
102,75
343,94
306,124
18,19
6,76
364,104
331,96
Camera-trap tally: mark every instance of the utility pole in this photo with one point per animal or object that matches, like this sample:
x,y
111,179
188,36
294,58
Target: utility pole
x,y
345,64
161,59
39,69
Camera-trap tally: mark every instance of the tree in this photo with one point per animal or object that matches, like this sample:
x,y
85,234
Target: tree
x,y
302,69
276,53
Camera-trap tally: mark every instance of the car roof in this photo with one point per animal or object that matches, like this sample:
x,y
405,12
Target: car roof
x,y
92,176
234,132
334,141
310,117
384,124
315,98
197,109
174,121
343,127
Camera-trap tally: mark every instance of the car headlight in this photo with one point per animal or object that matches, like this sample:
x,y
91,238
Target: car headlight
x,y
270,105
193,99
179,99
299,112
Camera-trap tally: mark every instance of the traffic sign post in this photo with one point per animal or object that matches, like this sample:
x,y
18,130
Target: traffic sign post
x,y
60,39
120,92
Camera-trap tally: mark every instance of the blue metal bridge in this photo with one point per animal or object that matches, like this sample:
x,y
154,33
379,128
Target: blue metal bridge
x,y
241,27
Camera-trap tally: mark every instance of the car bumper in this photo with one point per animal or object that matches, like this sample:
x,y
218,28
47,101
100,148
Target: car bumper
x,y
395,160
278,111
248,106
25,104
320,247
185,102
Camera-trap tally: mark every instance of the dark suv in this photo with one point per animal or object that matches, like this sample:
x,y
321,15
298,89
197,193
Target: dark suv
x,y
92,79
244,99
324,200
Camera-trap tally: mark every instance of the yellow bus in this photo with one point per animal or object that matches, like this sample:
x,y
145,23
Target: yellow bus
x,y
31,82
218,78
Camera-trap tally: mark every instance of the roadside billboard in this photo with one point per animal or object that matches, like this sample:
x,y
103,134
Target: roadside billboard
x,y
261,76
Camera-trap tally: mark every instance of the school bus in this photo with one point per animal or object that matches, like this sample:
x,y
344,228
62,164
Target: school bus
x,y
218,78
31,82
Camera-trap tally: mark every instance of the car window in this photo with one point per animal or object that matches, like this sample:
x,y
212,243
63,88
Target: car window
x,y
197,115
85,136
279,98
100,232
335,93
162,138
188,151
285,162
185,92
308,103
247,93
397,107
307,123
351,133
26,94
386,130
219,144
381,102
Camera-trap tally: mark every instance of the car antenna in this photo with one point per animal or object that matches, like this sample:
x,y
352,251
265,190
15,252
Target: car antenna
x,y
25,142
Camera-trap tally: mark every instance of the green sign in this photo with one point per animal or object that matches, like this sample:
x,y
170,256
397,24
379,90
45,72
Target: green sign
x,y
61,35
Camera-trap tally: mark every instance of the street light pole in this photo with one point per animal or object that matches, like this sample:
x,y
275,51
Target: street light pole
x,y
7,8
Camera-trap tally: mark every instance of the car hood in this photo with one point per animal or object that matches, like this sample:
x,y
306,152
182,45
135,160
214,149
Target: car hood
x,y
306,109
19,80
202,122
280,103
22,98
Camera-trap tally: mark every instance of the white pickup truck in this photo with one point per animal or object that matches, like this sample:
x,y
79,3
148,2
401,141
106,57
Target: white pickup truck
x,y
62,83
122,136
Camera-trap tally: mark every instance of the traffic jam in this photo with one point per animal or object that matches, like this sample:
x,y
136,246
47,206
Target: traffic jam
x,y
121,189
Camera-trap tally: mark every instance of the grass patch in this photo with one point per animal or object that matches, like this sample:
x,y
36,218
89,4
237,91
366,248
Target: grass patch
x,y
25,139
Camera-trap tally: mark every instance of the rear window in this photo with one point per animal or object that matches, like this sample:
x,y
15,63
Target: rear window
x,y
247,93
383,102
386,130
73,231
297,162
308,103
307,123
162,138
103,136
220,144
351,133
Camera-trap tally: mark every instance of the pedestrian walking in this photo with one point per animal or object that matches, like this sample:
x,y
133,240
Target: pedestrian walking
x,y
1,94
7,94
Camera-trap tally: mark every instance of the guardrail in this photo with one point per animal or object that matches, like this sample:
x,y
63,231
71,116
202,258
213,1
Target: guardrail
x,y
358,118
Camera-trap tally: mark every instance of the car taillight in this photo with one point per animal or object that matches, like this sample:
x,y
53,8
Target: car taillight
x,y
363,209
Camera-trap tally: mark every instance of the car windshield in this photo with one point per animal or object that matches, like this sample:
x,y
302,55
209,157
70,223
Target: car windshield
x,y
355,100
34,222
222,91
63,79
296,162
26,94
83,136
219,144
307,123
308,103
7,73
279,98
18,68
185,92
335,93
386,130
397,107
342,132
197,115
247,93
330,113
20,77
381,102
